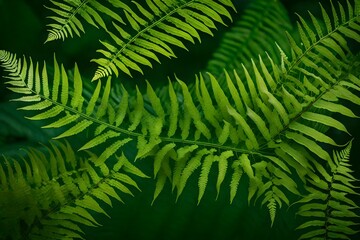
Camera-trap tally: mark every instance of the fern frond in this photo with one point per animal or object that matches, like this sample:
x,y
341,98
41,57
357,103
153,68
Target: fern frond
x,y
332,212
69,15
252,34
50,196
156,27
269,181
249,123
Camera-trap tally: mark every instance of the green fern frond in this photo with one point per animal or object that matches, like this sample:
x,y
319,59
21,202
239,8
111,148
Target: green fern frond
x,y
69,15
260,125
271,182
331,212
156,27
252,34
50,196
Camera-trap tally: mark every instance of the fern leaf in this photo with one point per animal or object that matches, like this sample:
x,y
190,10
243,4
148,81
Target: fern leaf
x,y
183,154
136,117
222,165
69,15
318,136
204,175
326,120
269,115
190,167
174,112
246,165
160,183
334,212
111,150
206,103
250,134
252,35
131,51
194,113
69,109
61,122
78,128
99,139
235,179
272,210
160,155
54,202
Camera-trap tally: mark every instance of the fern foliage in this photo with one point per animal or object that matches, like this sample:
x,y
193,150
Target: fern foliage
x,y
264,126
155,28
251,35
49,196
331,213
70,13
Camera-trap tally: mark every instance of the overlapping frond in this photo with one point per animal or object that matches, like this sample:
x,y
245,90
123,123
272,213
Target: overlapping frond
x,y
319,80
155,29
51,195
252,34
140,32
329,206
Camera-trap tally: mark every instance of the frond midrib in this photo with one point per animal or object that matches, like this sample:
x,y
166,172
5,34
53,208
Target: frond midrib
x,y
296,62
306,109
151,26
329,198
63,27
136,134
186,141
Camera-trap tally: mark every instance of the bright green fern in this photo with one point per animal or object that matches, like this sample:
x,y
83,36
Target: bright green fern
x,y
262,123
156,27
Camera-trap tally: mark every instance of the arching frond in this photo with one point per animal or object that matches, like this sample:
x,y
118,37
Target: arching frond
x,y
51,195
156,28
153,28
328,207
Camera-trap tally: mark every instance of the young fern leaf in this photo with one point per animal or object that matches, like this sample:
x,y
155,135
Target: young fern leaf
x,y
56,192
156,27
328,202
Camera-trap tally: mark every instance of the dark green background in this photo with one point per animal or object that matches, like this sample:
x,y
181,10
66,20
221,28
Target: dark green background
x,y
23,31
